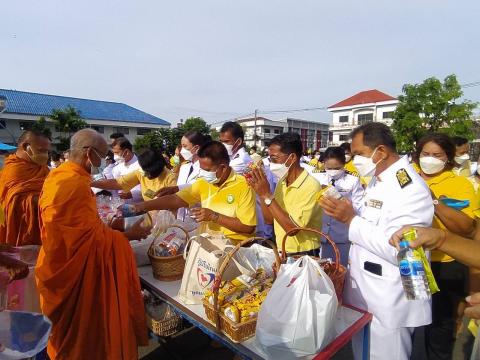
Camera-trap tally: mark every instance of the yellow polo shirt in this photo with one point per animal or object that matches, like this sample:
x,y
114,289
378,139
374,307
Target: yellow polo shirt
x,y
148,186
234,198
299,200
456,187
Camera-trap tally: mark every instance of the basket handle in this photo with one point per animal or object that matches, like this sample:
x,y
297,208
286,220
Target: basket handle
x,y
169,227
223,266
318,232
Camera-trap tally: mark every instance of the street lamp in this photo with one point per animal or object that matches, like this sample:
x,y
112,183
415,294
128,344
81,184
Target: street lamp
x,y
3,125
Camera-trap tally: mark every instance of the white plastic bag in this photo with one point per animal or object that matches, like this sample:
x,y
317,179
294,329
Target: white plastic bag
x,y
297,318
256,257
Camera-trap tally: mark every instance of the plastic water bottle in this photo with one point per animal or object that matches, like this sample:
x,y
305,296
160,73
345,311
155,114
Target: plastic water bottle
x,y
412,272
127,210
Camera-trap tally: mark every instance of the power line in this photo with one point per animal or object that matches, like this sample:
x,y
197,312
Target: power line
x,y
472,84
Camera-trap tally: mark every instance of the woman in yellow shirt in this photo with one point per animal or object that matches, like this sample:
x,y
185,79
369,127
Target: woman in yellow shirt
x,y
435,157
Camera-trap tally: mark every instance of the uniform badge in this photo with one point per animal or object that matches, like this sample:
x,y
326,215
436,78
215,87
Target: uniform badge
x,y
230,198
403,178
377,204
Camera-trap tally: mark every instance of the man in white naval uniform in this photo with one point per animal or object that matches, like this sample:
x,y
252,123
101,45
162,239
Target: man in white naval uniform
x,y
126,162
395,197
232,137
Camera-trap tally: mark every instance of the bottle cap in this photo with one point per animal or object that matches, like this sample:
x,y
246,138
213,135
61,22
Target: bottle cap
x,y
404,244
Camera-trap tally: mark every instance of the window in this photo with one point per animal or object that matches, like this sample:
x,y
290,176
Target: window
x,y
387,115
266,131
123,130
25,125
143,131
276,131
343,119
99,129
343,137
365,118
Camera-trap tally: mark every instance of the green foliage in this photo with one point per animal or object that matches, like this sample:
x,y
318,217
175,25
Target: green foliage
x,y
431,107
215,135
67,122
168,139
42,126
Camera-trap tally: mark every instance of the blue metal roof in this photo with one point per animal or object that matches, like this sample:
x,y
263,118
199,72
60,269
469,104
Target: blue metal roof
x,y
21,102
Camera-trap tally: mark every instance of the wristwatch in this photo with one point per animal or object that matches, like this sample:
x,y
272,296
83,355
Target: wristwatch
x,y
268,201
435,202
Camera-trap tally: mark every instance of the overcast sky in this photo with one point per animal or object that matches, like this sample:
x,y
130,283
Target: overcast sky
x,y
221,59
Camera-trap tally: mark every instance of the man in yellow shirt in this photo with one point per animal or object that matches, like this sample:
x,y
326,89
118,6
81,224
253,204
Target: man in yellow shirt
x,y
153,176
294,203
227,202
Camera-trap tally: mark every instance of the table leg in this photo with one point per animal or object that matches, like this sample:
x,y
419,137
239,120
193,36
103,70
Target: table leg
x,y
366,342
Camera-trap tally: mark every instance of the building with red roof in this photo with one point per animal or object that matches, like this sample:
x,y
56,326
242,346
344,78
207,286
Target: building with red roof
x,y
365,106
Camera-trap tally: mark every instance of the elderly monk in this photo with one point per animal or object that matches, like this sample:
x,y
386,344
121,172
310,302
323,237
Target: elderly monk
x,y
20,184
86,272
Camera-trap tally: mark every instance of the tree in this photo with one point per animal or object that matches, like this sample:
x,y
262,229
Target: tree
x,y
214,134
42,126
67,122
195,124
431,107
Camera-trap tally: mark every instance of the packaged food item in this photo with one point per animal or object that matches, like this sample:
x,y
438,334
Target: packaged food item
x,y
169,244
247,173
149,193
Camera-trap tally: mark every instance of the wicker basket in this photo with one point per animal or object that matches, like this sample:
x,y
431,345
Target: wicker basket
x,y
237,332
167,268
166,327
335,271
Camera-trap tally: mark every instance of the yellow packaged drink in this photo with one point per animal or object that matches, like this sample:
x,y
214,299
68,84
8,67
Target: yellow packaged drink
x,y
411,235
232,313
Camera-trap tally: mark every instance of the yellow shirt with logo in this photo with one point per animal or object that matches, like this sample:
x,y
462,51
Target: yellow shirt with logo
x,y
456,187
234,198
148,186
299,200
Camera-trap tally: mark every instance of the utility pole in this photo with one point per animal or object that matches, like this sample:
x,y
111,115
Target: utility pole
x,y
255,129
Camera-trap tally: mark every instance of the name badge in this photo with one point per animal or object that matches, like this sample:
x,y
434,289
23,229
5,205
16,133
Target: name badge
x,y
376,204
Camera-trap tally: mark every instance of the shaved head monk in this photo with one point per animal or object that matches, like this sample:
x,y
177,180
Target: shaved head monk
x,y
20,184
86,272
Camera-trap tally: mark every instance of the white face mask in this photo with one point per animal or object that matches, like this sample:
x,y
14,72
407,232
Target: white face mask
x,y
279,171
348,158
334,173
230,147
208,176
462,159
431,165
365,165
118,158
186,154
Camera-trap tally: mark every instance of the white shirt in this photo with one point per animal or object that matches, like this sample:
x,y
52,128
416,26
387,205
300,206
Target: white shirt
x,y
187,175
240,160
397,197
349,186
124,168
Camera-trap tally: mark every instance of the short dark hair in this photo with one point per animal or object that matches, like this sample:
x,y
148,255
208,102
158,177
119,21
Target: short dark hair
x,y
33,133
375,134
116,135
442,140
346,147
55,156
335,152
197,138
233,128
459,141
215,151
123,143
289,143
151,161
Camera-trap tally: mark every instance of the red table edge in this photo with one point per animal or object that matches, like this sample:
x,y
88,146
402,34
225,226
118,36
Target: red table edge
x,y
346,336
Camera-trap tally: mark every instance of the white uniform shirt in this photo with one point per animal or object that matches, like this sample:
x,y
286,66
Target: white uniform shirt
x,y
349,186
187,175
238,162
124,168
397,197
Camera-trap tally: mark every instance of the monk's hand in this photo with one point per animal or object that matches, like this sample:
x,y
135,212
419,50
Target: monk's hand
x,y
429,238
203,214
473,311
125,195
341,210
138,231
169,190
258,181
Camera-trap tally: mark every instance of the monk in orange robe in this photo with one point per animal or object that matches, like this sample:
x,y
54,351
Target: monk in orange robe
x,y
20,184
86,272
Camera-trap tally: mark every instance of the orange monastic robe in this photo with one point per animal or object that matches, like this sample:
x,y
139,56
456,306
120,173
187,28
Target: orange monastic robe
x,y
20,184
86,275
